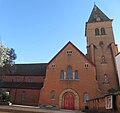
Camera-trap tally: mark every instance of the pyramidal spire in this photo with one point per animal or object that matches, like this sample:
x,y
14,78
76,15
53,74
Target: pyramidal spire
x,y
97,15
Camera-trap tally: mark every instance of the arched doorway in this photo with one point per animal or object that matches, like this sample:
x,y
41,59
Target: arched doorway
x,y
69,101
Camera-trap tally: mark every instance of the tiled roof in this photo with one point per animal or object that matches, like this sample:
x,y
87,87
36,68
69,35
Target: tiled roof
x,y
97,14
22,85
26,69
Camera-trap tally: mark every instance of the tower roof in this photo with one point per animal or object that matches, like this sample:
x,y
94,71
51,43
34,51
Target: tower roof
x,y
97,15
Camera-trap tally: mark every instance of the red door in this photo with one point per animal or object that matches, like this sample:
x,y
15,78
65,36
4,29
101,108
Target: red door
x,y
69,101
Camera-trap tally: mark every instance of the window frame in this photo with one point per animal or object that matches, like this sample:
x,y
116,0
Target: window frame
x,y
52,95
102,31
69,52
106,79
69,73
76,76
62,75
97,32
85,97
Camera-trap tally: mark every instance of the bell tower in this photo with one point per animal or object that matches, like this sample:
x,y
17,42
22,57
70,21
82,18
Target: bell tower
x,y
101,49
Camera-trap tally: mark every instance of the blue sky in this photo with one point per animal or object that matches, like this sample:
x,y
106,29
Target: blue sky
x,y
38,29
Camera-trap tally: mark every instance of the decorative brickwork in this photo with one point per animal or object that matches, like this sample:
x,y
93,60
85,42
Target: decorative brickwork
x,y
76,100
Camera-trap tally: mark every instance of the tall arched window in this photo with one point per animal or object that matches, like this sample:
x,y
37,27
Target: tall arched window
x,y
102,31
52,95
76,74
97,31
85,97
62,74
69,72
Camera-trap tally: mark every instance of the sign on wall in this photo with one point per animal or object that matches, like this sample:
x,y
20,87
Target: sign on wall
x,y
109,102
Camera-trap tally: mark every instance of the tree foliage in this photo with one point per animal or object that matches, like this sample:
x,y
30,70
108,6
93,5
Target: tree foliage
x,y
7,56
5,97
114,90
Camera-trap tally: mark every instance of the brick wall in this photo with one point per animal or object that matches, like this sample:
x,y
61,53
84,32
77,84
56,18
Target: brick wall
x,y
99,104
25,96
86,81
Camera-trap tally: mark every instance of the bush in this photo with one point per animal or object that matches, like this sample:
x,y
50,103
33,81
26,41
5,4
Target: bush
x,y
5,97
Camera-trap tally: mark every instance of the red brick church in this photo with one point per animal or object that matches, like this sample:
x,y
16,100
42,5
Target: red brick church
x,y
70,78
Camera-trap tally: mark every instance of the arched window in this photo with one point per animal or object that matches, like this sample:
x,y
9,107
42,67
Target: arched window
x,y
69,72
85,97
62,74
97,31
106,79
52,95
76,74
102,31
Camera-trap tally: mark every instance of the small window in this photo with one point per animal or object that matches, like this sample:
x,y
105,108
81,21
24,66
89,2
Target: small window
x,y
69,52
97,31
85,97
76,74
53,66
86,65
103,60
52,95
106,79
69,72
62,75
102,31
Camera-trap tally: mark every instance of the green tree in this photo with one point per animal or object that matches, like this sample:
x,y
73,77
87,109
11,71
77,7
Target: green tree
x,y
5,96
113,90
7,56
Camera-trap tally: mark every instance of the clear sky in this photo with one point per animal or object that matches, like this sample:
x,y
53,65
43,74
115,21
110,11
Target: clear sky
x,y
38,29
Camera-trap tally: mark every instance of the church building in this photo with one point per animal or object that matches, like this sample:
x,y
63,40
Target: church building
x,y
70,78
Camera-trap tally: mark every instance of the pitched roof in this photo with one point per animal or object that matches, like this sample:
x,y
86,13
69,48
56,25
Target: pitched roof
x,y
26,69
76,49
97,15
22,85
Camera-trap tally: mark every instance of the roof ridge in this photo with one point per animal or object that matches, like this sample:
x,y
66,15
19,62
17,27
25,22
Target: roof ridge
x,y
76,49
